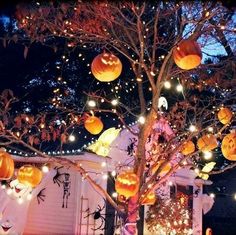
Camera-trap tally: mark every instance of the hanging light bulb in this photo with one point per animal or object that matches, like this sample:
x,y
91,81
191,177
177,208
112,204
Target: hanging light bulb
x,y
71,138
91,103
45,169
114,102
207,155
167,84
210,129
192,128
141,120
179,88
212,195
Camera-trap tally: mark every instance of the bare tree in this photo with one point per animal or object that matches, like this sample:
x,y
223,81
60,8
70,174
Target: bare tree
x,y
146,35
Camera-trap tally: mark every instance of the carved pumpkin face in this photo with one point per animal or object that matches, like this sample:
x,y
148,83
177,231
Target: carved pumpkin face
x,y
187,147
106,67
6,166
225,115
207,142
93,125
127,184
187,55
149,199
29,175
228,147
164,171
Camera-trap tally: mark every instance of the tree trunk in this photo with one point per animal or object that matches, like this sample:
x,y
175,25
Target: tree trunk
x,y
130,225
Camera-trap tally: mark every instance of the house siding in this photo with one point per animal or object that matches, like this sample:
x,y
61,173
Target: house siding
x,y
49,217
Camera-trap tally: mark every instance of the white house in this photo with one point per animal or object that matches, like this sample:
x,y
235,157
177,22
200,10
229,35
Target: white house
x,y
49,216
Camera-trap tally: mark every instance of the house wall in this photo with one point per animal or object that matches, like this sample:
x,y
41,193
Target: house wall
x,y
49,217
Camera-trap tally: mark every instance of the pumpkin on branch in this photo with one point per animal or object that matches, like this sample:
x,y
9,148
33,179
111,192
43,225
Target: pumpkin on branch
x,y
187,55
6,165
29,175
207,142
164,170
149,199
106,67
188,147
127,184
225,115
93,125
228,146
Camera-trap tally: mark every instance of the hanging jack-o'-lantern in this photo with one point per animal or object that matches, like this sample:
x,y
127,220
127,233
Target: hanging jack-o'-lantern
x,y
225,115
6,165
106,67
187,55
93,125
29,175
228,146
127,184
164,170
207,142
188,147
149,199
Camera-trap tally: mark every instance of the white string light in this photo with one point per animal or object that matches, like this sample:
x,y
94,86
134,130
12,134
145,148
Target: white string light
x,y
71,138
167,84
192,128
92,103
207,155
114,102
45,169
141,119
212,195
179,88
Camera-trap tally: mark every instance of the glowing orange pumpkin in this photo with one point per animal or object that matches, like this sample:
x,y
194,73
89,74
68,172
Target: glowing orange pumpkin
x,y
165,170
127,184
209,231
225,115
187,55
29,175
106,67
149,199
207,142
228,146
93,125
6,166
187,147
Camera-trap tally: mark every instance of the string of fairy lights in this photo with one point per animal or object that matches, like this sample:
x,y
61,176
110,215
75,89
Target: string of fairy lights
x,y
129,87
141,119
